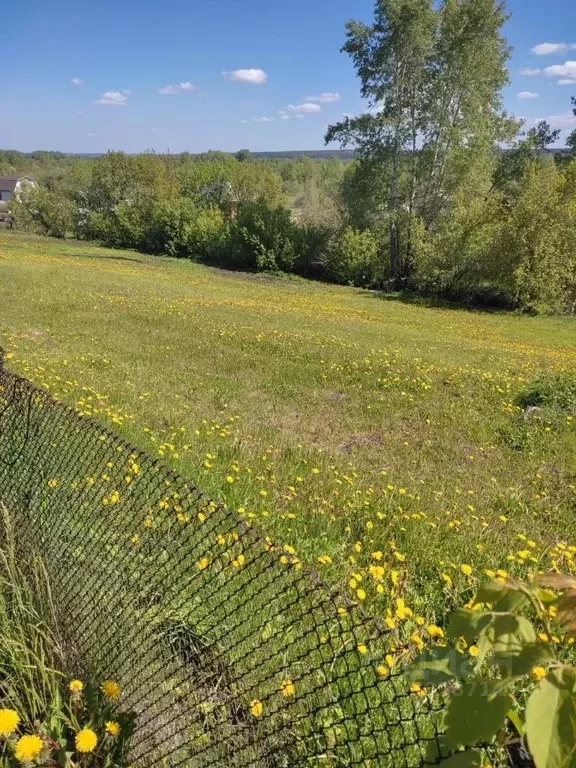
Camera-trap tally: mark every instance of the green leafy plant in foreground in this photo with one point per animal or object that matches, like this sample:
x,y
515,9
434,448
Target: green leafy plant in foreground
x,y
512,692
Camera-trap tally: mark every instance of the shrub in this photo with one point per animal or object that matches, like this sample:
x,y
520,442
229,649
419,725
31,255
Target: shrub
x,y
550,390
537,244
354,259
182,228
263,238
48,213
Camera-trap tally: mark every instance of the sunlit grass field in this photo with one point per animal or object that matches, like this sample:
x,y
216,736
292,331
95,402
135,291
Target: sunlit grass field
x,y
380,440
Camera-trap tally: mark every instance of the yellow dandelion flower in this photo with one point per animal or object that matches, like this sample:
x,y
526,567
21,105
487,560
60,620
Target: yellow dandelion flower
x,y
287,688
256,707
361,648
9,720
417,689
28,748
203,563
420,621
417,640
538,673
342,611
434,631
466,570
110,689
238,561
86,740
76,686
113,728
474,650
382,671
361,594
52,483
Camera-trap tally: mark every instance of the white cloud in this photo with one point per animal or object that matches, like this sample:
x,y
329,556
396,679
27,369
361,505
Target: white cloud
x,y
567,81
527,95
545,49
530,71
284,116
113,98
324,98
307,108
91,135
170,90
565,120
77,81
566,70
262,119
254,76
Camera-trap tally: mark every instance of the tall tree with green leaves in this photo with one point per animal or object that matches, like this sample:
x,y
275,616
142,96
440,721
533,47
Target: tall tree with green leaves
x,y
390,57
435,74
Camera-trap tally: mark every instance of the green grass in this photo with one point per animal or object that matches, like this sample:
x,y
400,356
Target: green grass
x,y
344,422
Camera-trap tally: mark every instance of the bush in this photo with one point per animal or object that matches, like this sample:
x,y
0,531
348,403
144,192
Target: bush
x,y
537,243
47,213
182,228
550,390
263,238
354,259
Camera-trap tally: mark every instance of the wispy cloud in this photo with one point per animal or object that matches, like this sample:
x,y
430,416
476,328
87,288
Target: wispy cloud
x,y
262,119
567,81
253,76
566,71
170,90
565,120
527,95
77,81
324,98
530,71
300,109
91,135
545,49
114,98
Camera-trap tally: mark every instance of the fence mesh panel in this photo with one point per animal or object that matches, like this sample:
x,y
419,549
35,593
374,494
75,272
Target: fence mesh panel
x,y
228,650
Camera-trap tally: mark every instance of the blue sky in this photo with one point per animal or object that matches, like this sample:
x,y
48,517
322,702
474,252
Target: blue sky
x,y
263,74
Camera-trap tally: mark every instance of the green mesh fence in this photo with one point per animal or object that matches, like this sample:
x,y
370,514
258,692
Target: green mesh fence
x,y
228,650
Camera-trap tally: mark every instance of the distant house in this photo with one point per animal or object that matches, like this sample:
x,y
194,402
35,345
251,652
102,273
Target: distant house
x,y
15,185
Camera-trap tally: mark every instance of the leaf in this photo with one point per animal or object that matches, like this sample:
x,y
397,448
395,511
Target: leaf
x,y
476,714
551,720
508,634
490,592
467,624
438,749
511,602
546,596
559,581
567,608
518,664
463,760
514,718
437,666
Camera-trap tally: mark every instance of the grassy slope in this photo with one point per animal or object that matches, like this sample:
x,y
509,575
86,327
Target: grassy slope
x,y
348,423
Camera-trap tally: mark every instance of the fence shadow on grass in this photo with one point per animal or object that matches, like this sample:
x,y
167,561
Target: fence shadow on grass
x,y
229,651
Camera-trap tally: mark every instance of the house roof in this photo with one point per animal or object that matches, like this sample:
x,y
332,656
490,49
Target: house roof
x,y
8,183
